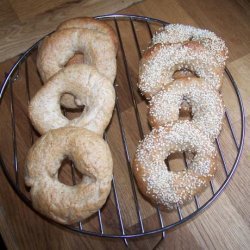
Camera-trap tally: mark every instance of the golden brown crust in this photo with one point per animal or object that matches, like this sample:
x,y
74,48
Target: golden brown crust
x,y
92,157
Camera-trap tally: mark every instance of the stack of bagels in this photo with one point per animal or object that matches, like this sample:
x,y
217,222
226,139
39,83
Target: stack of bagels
x,y
181,70
77,64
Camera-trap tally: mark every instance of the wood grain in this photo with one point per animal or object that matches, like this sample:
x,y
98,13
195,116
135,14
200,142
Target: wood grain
x,y
28,9
38,18
224,225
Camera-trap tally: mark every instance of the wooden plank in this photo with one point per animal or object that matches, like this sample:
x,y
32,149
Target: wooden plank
x,y
29,9
7,14
16,38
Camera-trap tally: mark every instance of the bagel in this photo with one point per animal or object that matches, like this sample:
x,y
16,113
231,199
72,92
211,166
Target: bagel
x,y
91,24
207,108
77,58
59,47
92,157
160,62
167,188
179,33
83,51
85,23
89,87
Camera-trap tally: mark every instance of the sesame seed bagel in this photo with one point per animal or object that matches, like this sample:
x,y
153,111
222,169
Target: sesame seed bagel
x,y
92,157
179,33
167,188
88,86
161,61
206,105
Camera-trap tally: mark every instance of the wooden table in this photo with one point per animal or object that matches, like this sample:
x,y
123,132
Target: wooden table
x,y
224,225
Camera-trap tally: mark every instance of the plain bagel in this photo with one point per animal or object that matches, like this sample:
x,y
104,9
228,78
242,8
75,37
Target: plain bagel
x,y
92,157
59,47
66,46
91,24
90,89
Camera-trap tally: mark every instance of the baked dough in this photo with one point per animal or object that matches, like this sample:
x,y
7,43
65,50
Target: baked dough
x,y
59,47
206,105
160,62
92,157
179,33
91,24
90,89
167,188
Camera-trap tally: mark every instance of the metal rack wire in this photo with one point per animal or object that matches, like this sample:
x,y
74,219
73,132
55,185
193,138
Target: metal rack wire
x,y
13,75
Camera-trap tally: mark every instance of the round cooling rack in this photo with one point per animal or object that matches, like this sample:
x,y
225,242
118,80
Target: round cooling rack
x,y
126,214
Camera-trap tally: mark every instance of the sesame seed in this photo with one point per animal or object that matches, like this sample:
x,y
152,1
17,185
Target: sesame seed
x,y
171,188
177,47
206,104
175,33
157,70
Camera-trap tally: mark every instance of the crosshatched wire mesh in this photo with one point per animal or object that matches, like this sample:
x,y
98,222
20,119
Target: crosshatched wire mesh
x,y
119,218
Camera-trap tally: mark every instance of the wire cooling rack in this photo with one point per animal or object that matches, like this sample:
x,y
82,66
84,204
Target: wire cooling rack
x,y
12,164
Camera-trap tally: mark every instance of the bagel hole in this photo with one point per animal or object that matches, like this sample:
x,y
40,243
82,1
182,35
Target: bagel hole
x,y
176,161
72,113
77,58
189,156
185,111
183,73
68,174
